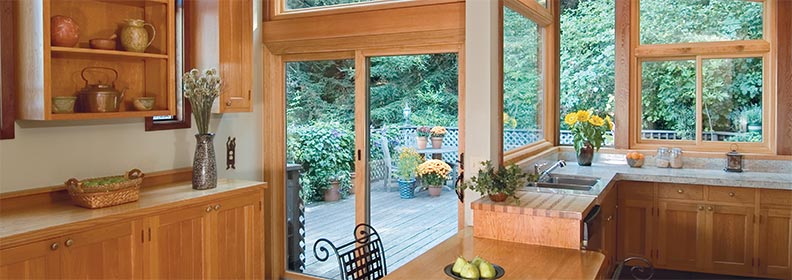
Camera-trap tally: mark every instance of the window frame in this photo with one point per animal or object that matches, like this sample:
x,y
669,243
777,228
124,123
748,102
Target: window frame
x,y
546,20
276,9
698,51
7,91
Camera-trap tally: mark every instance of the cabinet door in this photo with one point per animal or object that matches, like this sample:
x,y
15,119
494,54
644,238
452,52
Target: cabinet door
x,y
635,226
178,244
775,243
108,252
237,238
38,260
236,55
730,232
608,229
680,235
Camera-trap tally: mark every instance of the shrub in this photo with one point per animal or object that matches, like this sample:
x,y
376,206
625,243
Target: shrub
x,y
326,152
409,160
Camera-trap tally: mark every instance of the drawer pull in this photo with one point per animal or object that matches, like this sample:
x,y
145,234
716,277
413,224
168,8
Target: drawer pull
x,y
700,208
709,208
609,218
228,103
680,191
731,194
69,243
54,246
217,207
208,209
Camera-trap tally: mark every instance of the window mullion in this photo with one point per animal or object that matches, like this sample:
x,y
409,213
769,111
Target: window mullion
x,y
699,101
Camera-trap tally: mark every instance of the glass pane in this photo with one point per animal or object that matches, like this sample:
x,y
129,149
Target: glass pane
x,y
522,81
668,99
732,95
588,54
681,21
320,143
302,4
405,93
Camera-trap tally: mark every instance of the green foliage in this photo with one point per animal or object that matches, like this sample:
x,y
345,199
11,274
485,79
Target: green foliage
x,y
320,90
746,137
326,152
492,180
408,161
521,75
300,4
753,114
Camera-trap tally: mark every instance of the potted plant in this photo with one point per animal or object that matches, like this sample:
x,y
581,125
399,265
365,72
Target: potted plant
x,y
499,183
438,132
407,166
589,132
325,151
753,114
421,139
434,173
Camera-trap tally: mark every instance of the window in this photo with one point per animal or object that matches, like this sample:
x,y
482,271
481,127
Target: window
x,y
182,118
701,69
304,4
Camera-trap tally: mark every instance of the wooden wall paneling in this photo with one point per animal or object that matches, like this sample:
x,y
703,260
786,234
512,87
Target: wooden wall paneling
x,y
622,72
7,94
274,163
784,77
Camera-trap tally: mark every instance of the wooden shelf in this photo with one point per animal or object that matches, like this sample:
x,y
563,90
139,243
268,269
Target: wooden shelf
x,y
115,53
111,115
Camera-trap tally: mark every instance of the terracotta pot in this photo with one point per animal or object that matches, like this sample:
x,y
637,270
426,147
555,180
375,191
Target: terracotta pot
x,y
437,142
421,142
435,190
586,154
64,31
352,182
498,197
332,194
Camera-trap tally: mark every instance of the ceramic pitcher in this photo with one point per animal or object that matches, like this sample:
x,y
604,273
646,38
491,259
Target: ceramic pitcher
x,y
134,37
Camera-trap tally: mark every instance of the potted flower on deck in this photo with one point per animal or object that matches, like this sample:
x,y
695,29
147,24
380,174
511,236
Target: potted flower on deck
x,y
421,139
589,132
499,183
434,173
438,132
407,166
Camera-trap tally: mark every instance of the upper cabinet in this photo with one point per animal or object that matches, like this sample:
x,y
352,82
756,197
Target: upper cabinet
x,y
223,39
53,65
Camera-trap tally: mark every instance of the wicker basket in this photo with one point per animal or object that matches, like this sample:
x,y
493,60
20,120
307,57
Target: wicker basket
x,y
106,195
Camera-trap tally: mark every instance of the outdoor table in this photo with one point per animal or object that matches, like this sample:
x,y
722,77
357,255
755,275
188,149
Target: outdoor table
x,y
438,153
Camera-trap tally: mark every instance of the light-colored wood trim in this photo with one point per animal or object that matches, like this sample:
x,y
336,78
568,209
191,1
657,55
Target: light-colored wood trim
x,y
622,75
318,56
699,101
278,11
412,50
532,10
362,200
274,163
551,61
419,38
783,59
527,151
499,116
703,48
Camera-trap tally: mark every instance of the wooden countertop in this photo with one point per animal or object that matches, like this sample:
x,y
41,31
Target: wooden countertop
x,y
521,261
40,219
554,205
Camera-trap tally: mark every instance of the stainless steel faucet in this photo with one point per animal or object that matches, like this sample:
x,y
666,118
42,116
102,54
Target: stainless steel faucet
x,y
543,175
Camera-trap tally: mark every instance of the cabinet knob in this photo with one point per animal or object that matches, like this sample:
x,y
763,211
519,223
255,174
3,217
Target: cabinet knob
x,y
700,208
228,103
209,209
54,246
709,208
69,243
609,218
680,191
217,207
731,194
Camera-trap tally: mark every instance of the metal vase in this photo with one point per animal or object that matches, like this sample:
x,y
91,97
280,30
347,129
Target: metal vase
x,y
586,154
204,174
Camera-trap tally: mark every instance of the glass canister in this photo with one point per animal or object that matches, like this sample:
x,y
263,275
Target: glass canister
x,y
662,159
675,158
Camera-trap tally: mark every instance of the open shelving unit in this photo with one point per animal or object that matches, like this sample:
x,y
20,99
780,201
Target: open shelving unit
x,y
47,71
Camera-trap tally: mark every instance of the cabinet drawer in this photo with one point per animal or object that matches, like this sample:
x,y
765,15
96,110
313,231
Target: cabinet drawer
x,y
680,191
734,195
782,198
636,190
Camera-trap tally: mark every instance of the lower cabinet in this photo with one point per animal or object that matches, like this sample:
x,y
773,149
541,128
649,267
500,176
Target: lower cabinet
x,y
102,252
680,235
636,223
775,242
730,243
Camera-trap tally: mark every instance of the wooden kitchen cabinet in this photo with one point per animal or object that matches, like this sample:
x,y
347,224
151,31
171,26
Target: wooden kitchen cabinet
x,y
224,40
680,234
99,253
636,223
178,241
775,234
609,229
730,239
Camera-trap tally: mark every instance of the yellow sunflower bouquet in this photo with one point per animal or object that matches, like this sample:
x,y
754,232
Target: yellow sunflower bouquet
x,y
434,172
588,130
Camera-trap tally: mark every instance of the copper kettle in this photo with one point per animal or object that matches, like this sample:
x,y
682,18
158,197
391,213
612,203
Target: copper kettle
x,y
100,98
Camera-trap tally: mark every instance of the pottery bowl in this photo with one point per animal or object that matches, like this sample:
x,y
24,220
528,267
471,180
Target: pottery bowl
x,y
143,103
635,162
102,44
63,104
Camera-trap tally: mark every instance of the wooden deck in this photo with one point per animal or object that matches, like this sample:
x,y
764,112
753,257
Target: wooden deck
x,y
408,227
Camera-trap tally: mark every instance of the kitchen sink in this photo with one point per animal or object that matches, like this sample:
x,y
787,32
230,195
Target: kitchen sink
x,y
570,182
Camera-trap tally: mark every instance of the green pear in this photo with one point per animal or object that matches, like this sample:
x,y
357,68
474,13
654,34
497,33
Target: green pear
x,y
458,264
476,261
469,271
486,269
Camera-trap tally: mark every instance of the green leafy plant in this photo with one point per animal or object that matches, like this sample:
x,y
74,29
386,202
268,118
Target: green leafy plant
x,y
408,163
325,150
753,114
423,131
587,127
494,180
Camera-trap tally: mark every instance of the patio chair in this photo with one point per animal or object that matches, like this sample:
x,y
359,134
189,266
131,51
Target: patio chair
x,y
362,258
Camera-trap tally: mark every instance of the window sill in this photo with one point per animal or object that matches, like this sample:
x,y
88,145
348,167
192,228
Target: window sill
x,y
278,14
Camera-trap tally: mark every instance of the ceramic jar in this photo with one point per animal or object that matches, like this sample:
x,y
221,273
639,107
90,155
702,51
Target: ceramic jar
x,y
64,31
134,36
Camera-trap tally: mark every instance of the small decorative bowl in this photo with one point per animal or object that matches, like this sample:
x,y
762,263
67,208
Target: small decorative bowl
x,y
143,103
102,44
635,162
63,104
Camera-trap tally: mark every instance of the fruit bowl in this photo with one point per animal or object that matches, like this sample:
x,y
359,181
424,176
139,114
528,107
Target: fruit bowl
x,y
635,159
499,272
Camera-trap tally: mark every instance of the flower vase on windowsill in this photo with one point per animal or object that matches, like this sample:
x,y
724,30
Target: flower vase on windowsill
x,y
201,91
589,132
